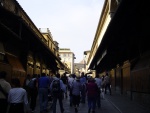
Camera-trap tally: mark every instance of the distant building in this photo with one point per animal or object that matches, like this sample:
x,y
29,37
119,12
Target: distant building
x,y
86,56
53,45
48,40
79,67
67,57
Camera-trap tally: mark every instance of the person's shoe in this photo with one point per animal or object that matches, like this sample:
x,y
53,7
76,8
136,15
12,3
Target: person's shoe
x,y
32,111
93,111
45,110
62,111
70,104
76,110
89,110
82,101
66,96
99,106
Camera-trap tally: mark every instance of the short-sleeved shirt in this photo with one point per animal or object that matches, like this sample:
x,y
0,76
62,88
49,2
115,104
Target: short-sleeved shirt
x,y
43,82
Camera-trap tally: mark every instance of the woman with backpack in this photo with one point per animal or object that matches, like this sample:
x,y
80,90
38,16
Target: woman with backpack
x,y
57,89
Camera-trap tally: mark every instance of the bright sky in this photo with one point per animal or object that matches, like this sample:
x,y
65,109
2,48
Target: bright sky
x,y
73,23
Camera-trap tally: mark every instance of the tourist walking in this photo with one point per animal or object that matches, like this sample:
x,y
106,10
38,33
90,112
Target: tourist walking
x,y
33,92
64,78
92,90
17,98
70,82
102,87
83,90
25,85
107,83
43,86
4,89
76,90
57,89
98,81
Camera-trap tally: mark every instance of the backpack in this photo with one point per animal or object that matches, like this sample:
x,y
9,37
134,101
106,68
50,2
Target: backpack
x,y
56,87
31,84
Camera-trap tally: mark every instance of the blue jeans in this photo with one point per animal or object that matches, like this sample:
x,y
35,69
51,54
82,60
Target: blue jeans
x,y
83,93
70,99
92,102
98,100
83,96
43,98
60,104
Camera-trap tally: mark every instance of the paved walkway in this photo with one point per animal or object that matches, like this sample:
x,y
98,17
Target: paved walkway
x,y
125,105
114,103
106,107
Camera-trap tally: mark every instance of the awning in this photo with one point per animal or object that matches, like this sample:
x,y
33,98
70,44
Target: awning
x,y
15,63
124,38
19,28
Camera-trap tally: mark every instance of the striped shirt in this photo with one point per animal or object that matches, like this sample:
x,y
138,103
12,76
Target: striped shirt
x,y
17,95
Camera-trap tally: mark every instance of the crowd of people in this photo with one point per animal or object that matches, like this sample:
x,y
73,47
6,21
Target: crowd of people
x,y
15,98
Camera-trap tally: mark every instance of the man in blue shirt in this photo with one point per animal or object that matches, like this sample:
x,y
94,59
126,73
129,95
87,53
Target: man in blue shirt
x,y
43,85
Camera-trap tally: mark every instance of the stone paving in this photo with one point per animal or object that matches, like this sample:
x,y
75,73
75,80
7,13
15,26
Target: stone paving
x,y
115,103
125,105
106,107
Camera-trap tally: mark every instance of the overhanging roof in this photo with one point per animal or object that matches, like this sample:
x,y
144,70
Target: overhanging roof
x,y
11,25
122,39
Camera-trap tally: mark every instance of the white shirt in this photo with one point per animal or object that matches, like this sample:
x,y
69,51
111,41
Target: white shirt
x,y
17,95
